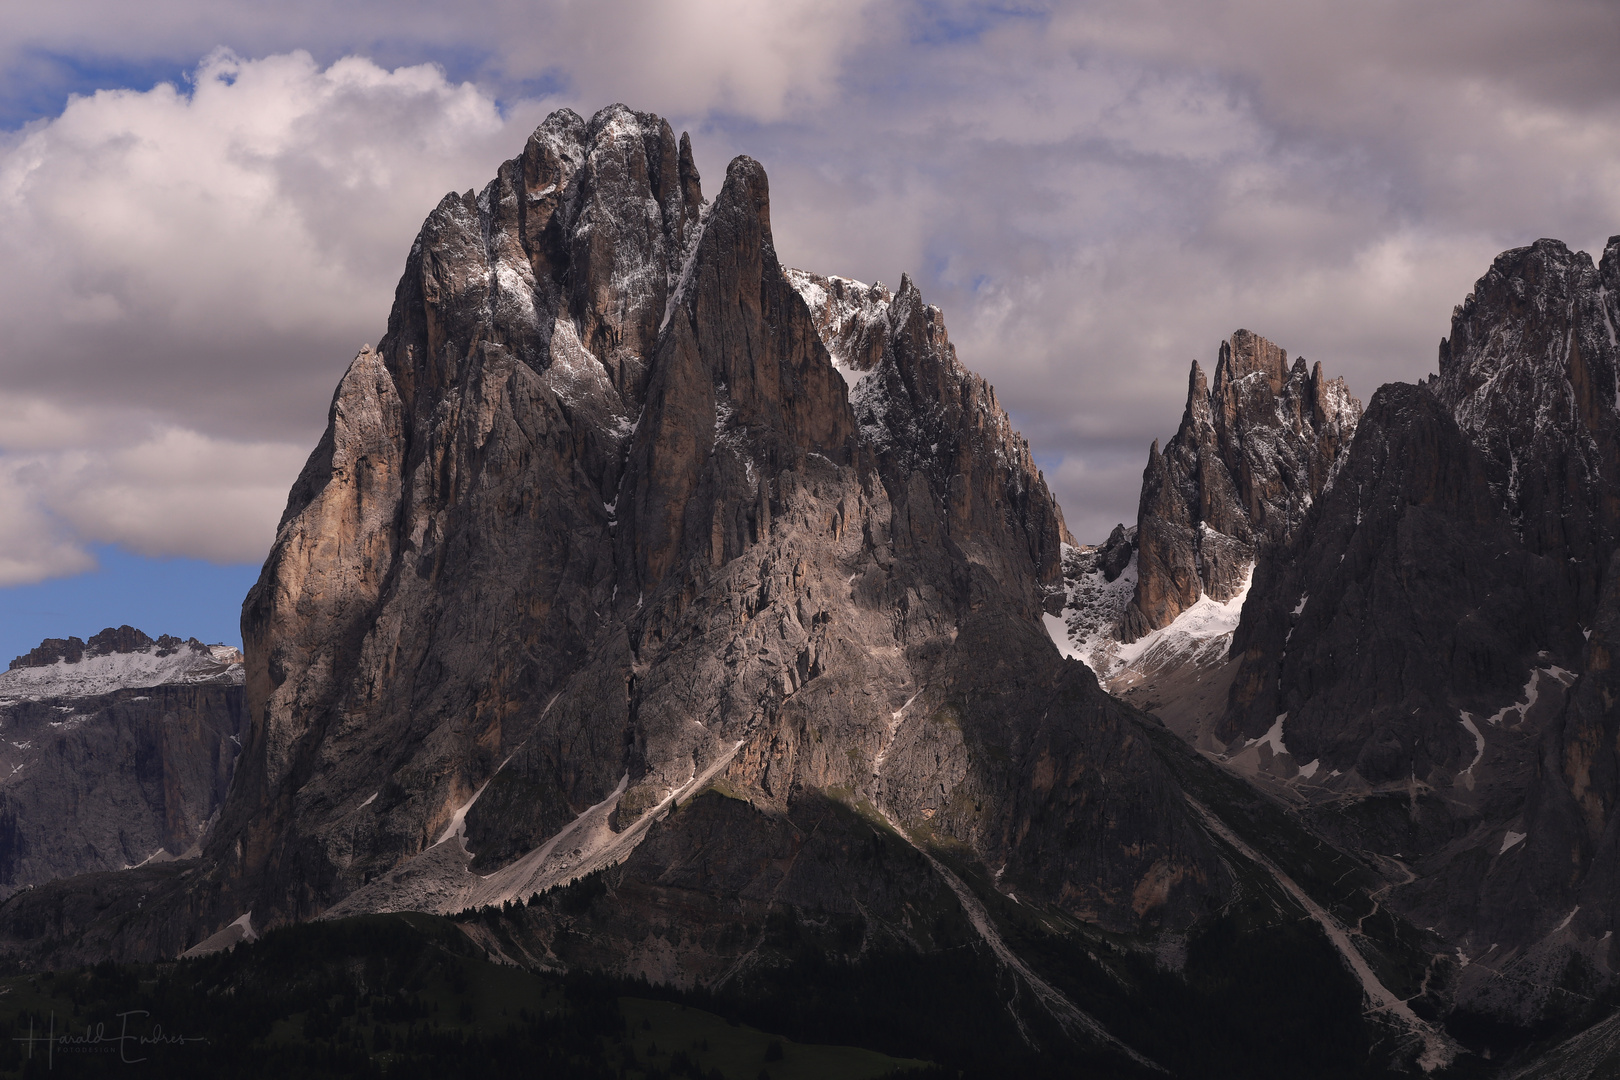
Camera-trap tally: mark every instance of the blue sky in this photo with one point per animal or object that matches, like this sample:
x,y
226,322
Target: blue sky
x,y
1096,192
184,597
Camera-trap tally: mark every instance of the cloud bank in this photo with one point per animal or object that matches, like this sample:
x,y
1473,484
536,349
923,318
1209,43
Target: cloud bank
x,y
1096,193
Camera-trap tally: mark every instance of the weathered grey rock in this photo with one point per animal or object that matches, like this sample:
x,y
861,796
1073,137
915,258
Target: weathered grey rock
x,y
1252,453
117,752
601,510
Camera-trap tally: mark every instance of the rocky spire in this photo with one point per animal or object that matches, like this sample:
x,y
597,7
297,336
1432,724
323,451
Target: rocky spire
x,y
1252,453
1442,628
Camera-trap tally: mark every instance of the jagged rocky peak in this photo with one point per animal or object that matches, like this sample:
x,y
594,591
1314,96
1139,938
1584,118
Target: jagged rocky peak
x,y
540,575
1256,446
850,316
1529,373
117,657
921,409
572,251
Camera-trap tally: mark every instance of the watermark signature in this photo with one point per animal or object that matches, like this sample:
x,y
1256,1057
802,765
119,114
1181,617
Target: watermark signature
x,y
95,1039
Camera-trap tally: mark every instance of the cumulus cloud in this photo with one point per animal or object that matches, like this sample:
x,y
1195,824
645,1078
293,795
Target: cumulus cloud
x,y
173,492
741,57
33,544
213,253
189,269
1096,192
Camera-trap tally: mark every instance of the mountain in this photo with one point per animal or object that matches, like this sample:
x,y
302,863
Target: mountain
x,y
1420,666
1434,648
668,613
1153,609
1252,453
116,752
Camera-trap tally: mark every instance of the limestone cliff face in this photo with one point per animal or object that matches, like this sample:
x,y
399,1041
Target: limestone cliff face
x,y
601,521
1252,453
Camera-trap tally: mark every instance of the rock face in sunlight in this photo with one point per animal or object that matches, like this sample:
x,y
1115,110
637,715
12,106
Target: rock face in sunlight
x,y
620,512
117,752
1252,453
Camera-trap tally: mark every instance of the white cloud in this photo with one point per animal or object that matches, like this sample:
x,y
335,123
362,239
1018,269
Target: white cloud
x,y
741,57
174,492
758,60
229,245
1095,192
187,272
33,544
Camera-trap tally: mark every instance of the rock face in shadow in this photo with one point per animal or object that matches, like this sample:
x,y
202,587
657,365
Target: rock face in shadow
x,y
1438,636
600,514
117,752
1253,452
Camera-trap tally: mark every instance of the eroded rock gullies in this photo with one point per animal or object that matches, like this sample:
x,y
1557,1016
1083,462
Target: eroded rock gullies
x,y
1255,448
601,516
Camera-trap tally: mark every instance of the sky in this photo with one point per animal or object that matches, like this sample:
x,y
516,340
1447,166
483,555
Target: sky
x,y
205,206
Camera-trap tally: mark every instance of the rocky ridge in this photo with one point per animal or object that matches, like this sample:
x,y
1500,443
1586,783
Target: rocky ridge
x,y
1436,641
1254,449
114,753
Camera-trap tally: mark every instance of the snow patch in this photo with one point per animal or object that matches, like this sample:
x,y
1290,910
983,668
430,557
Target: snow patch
x,y
1532,691
1274,736
94,675
1479,741
1206,621
1308,771
1510,839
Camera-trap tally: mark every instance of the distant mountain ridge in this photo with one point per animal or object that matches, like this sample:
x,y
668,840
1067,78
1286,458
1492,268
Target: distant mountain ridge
x,y
114,752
